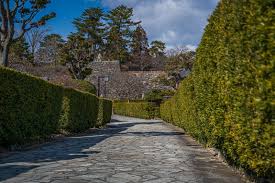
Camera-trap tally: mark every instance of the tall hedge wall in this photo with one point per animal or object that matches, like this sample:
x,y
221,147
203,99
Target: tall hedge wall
x,y
139,109
105,112
228,101
31,108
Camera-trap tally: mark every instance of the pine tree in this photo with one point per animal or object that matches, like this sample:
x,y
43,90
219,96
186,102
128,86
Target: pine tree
x,y
139,48
92,28
19,51
119,33
76,55
140,42
157,48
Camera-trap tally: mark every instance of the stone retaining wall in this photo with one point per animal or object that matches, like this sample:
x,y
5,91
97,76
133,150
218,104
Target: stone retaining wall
x,y
120,84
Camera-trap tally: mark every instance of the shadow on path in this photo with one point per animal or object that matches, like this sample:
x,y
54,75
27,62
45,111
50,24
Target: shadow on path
x,y
69,148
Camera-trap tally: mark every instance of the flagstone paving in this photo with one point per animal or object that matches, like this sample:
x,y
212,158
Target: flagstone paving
x,y
128,150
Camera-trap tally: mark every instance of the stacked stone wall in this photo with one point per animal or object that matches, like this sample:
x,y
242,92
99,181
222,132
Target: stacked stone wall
x,y
116,84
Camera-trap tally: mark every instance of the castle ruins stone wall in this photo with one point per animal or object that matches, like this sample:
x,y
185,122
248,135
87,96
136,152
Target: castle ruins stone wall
x,y
116,84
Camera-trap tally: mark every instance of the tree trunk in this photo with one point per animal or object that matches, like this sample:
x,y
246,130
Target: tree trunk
x,y
4,56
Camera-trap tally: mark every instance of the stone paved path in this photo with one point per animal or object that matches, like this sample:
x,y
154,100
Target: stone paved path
x,y
129,150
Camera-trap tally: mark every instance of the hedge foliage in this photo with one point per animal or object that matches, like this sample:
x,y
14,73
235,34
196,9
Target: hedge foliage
x,y
105,112
228,101
139,109
85,86
31,109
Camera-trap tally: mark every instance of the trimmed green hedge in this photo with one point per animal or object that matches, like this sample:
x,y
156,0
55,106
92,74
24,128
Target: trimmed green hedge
x,y
85,86
228,101
105,112
31,109
139,109
80,110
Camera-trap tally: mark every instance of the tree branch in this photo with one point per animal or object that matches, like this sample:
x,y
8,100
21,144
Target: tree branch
x,y
26,22
3,18
17,7
10,20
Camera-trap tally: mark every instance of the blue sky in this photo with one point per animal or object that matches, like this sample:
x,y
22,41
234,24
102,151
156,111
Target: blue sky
x,y
176,22
66,11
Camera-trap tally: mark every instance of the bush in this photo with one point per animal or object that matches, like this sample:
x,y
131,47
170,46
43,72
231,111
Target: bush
x,y
227,100
84,86
139,109
105,112
31,109
81,110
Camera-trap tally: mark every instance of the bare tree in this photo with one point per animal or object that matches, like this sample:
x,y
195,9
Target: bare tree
x,y
34,37
50,49
177,51
21,15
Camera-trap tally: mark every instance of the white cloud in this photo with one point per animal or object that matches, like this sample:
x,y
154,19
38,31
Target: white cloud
x,y
191,47
168,36
176,22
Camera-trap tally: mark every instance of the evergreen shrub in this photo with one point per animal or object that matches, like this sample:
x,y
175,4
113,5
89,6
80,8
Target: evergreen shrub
x,y
32,109
105,111
138,109
228,100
